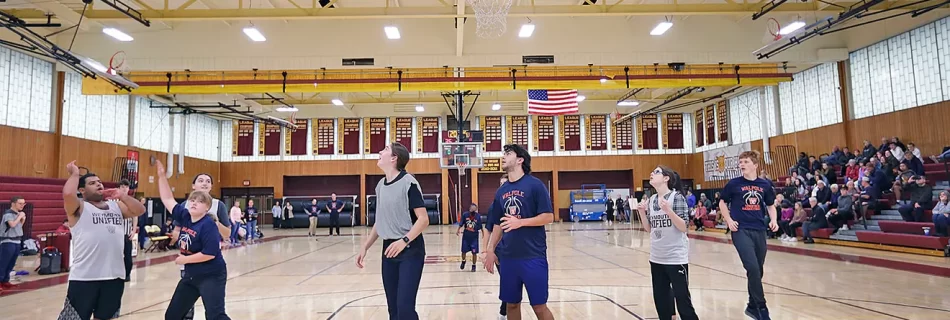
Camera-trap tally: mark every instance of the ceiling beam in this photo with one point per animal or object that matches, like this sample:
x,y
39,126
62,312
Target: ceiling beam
x,y
63,13
442,12
460,29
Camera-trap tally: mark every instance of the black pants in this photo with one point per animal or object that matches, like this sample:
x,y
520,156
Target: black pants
x,y
698,222
671,286
787,227
750,244
335,223
911,214
209,287
87,299
839,219
401,276
128,258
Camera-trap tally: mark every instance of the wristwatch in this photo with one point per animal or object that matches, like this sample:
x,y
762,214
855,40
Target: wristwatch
x,y
406,239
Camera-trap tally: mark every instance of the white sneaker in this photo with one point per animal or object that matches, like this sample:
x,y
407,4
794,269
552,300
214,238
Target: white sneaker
x,y
793,239
501,317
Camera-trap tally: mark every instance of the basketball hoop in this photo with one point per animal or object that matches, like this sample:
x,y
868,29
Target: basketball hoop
x,y
774,29
491,17
115,62
461,167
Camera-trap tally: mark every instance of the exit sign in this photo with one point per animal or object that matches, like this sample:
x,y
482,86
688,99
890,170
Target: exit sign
x,y
247,183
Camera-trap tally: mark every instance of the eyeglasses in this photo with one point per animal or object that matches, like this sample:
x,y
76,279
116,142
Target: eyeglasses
x,y
657,171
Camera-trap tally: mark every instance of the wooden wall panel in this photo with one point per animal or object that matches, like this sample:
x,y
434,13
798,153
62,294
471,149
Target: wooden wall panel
x,y
28,153
924,126
815,141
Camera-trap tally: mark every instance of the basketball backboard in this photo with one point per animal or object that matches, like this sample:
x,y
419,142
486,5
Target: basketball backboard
x,y
468,154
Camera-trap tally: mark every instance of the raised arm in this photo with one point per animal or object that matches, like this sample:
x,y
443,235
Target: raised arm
x,y
71,201
131,207
164,189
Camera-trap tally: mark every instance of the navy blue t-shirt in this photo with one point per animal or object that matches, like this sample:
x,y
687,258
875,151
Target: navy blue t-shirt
x,y
201,236
314,210
747,200
472,222
488,222
526,198
334,206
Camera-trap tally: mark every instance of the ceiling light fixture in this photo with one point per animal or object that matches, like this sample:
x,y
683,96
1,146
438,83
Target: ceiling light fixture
x,y
117,34
337,102
420,109
496,106
392,32
287,109
254,34
661,28
527,30
791,27
581,98
603,80
628,103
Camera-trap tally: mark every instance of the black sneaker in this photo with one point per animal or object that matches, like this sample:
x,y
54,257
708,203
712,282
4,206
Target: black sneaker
x,y
473,267
809,240
752,313
462,267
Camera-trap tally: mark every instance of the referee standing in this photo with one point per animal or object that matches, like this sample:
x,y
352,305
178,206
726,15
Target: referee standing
x,y
131,230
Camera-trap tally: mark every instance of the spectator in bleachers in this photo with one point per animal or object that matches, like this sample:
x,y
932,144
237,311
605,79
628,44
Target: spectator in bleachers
x,y
903,176
943,157
785,218
890,160
699,214
798,218
863,170
831,177
814,164
897,141
912,149
822,193
885,145
789,190
878,178
842,212
63,228
921,196
765,175
704,200
815,177
868,197
896,151
913,163
941,214
818,220
869,150
801,166
796,176
835,194
835,156
851,171
690,199
801,192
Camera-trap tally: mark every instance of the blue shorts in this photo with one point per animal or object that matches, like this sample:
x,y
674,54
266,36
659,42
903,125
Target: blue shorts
x,y
530,274
470,245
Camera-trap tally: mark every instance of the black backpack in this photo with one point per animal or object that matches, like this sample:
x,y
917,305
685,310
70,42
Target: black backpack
x,y
51,261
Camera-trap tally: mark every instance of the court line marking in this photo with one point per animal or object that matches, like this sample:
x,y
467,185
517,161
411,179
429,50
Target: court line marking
x,y
236,276
763,282
327,268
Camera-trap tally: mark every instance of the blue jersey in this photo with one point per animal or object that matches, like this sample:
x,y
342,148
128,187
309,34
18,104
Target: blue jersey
x,y
748,200
472,222
199,236
526,198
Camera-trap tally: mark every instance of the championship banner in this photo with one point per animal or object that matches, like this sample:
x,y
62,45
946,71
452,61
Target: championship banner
x,y
623,135
640,130
699,128
295,140
324,131
375,135
570,132
673,137
710,124
350,136
597,132
543,133
491,126
650,131
271,139
722,117
402,131
261,142
428,136
518,130
244,137
723,163
235,129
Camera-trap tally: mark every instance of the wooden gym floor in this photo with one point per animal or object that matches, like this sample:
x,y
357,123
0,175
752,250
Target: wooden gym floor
x,y
597,272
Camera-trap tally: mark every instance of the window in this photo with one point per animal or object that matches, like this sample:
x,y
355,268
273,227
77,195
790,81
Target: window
x,y
811,100
100,118
26,84
746,116
202,141
908,70
151,126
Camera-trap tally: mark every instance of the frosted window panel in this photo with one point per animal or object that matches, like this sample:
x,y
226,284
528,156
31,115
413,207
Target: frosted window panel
x,y
687,132
926,75
901,67
41,100
21,73
93,110
786,107
176,128
226,143
754,115
138,138
770,110
122,116
73,116
106,114
828,91
860,84
4,83
798,99
812,99
881,90
943,55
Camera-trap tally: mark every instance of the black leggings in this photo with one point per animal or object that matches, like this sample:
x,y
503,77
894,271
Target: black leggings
x,y
335,223
209,287
671,291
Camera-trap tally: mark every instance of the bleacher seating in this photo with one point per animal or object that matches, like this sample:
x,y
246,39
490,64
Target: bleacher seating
x,y
44,201
432,208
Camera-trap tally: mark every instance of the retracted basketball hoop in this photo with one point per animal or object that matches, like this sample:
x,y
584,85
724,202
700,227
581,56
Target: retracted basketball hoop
x,y
115,62
775,29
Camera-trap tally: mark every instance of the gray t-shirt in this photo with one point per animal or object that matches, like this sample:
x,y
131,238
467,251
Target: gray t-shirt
x,y
395,201
8,233
668,245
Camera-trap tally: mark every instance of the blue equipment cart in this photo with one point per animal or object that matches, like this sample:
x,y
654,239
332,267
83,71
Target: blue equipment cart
x,y
589,203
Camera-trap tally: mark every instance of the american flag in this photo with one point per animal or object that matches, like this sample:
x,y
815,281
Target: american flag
x,y
552,102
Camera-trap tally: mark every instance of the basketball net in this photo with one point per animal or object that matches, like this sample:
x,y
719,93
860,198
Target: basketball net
x,y
115,62
774,29
491,17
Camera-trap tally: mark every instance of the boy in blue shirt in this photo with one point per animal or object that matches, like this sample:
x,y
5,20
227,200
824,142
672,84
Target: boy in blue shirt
x,y
745,202
471,223
521,208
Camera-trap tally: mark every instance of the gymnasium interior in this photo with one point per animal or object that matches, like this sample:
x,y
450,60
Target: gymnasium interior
x,y
289,101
